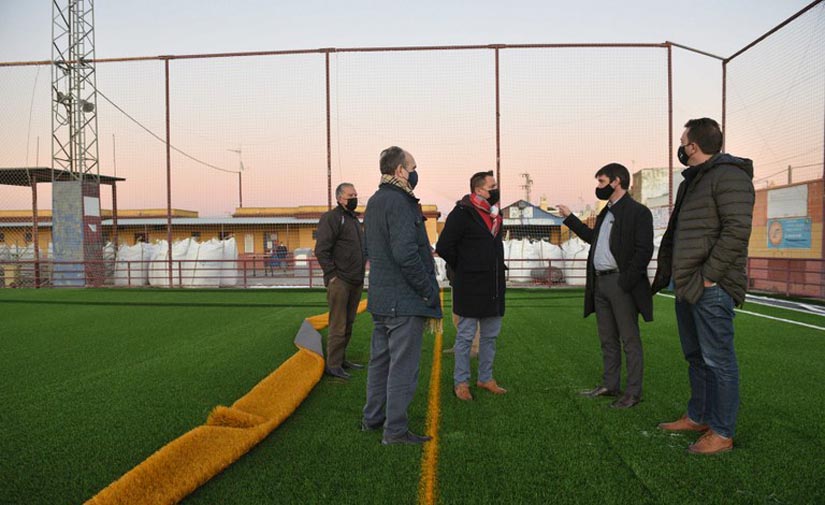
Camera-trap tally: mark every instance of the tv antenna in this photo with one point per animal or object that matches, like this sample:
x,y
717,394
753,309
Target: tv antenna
x,y
241,168
528,184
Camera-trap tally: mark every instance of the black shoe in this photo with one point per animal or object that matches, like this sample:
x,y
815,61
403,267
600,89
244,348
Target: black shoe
x,y
625,402
599,391
352,366
408,438
337,372
365,426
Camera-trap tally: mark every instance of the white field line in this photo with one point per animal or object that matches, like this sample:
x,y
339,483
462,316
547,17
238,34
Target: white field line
x,y
789,321
807,308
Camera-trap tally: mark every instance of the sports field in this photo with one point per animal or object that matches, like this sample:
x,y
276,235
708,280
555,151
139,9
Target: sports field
x,y
92,382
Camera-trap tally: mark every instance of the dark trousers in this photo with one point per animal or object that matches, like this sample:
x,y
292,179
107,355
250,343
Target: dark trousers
x,y
618,323
342,298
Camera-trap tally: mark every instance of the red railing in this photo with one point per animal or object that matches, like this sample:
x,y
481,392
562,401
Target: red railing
x,y
244,272
790,277
247,271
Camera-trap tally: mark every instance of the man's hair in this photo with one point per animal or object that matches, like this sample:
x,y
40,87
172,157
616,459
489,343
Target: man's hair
x,y
477,180
339,191
705,133
614,170
391,157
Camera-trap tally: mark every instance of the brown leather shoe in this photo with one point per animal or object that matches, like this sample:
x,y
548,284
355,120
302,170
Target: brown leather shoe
x,y
491,386
462,391
684,423
711,443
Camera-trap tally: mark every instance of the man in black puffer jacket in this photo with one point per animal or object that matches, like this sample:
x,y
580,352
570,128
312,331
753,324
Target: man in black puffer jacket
x,y
471,245
704,251
403,294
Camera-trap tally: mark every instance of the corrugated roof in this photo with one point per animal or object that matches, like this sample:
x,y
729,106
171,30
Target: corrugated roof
x,y
183,221
22,176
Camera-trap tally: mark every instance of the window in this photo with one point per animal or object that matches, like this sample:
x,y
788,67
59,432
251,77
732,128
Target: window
x,y
2,237
196,235
270,240
28,237
225,235
140,237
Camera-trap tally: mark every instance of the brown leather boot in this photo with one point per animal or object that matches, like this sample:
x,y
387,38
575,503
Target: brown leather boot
x,y
684,423
711,443
462,391
492,387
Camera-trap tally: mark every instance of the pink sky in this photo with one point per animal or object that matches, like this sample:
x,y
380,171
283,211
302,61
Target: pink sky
x,y
564,114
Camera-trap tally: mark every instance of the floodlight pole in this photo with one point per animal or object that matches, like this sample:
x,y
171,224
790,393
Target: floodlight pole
x,y
74,89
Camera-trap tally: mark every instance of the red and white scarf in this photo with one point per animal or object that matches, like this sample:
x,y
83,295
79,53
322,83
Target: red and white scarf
x,y
488,213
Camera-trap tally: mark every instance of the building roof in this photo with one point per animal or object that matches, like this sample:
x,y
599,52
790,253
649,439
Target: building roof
x,y
186,221
524,213
23,176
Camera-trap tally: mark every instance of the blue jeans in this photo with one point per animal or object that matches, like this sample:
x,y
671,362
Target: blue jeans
x,y
466,332
706,333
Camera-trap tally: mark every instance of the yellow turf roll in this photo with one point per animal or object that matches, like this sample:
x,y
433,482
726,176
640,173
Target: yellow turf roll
x,y
183,465
187,462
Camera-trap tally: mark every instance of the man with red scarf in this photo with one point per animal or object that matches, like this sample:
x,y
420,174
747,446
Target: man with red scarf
x,y
471,245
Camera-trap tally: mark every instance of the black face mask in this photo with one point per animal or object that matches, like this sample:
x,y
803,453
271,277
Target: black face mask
x,y
605,192
352,203
683,157
494,196
413,179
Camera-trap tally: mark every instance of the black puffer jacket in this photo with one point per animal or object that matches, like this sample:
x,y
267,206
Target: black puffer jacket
x,y
709,229
476,258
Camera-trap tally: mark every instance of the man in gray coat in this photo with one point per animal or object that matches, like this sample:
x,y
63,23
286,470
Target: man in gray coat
x,y
704,251
403,294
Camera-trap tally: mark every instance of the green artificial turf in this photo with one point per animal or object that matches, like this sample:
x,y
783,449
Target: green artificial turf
x,y
94,381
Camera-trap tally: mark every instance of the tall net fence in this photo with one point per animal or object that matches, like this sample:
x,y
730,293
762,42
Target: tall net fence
x,y
258,144
775,115
776,102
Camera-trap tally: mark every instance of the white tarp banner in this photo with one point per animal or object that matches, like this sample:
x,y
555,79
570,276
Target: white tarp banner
x,y
788,202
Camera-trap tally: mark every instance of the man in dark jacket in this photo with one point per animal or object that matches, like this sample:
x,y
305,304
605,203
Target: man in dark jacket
x,y
617,287
339,248
403,296
704,251
471,245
